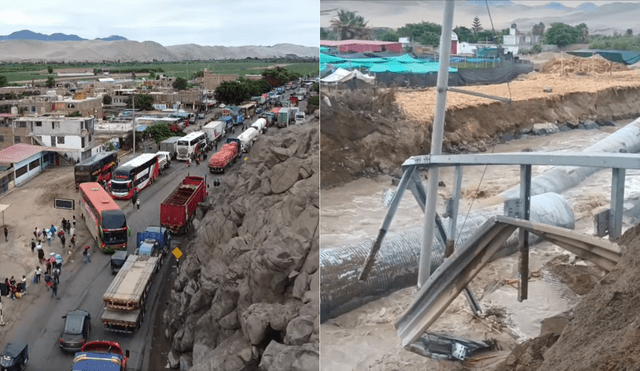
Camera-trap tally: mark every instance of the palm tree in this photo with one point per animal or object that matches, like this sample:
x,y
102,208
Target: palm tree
x,y
350,26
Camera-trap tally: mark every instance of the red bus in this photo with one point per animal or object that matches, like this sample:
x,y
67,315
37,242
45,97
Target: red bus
x,y
104,219
96,168
134,176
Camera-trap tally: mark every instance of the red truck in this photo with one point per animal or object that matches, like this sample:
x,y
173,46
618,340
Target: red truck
x,y
179,208
293,102
100,355
221,160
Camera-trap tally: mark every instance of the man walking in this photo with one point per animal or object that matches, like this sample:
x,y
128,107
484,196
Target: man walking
x,y
62,239
54,288
33,245
49,237
56,275
38,274
86,254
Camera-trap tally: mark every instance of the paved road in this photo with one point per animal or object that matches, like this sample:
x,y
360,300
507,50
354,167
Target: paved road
x,y
82,287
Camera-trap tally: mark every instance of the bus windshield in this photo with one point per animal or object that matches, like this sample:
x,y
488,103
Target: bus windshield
x,y
183,143
115,237
83,176
119,185
122,174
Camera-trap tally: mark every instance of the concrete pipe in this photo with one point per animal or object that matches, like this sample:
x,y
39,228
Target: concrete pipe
x,y
396,265
560,179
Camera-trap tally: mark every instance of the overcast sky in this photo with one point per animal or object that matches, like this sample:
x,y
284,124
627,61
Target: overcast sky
x,y
217,22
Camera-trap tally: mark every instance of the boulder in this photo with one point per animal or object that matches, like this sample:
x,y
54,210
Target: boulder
x,y
284,175
174,360
299,330
545,129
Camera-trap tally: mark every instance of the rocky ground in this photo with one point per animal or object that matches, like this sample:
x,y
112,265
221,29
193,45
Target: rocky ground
x,y
246,295
366,132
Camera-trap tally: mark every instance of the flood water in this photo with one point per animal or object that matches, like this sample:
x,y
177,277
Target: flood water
x,y
356,211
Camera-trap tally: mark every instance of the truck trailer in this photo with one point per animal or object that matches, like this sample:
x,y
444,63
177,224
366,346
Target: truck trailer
x,y
179,208
214,130
220,161
170,145
247,138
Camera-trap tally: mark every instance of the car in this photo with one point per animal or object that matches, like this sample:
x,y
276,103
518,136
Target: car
x,y
14,357
76,330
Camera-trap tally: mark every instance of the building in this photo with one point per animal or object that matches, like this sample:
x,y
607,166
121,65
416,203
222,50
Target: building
x,y
454,43
73,136
360,46
21,162
212,81
516,41
12,132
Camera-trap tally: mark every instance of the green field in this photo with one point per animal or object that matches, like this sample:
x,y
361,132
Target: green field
x,y
28,71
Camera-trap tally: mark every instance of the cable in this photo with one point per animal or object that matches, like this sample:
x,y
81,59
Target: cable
x,y
486,2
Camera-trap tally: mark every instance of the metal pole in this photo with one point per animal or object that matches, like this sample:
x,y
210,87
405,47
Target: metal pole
x,y
133,115
525,210
2,322
436,143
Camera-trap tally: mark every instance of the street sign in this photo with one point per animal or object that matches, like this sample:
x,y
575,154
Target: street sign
x,y
177,253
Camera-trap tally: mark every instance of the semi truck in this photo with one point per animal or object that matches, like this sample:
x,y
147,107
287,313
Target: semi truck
x,y
170,145
247,138
179,208
99,356
214,131
220,161
125,299
260,125
154,241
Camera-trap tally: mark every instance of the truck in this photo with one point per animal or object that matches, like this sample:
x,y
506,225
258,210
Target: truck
x,y
214,130
179,207
228,122
247,138
220,161
126,296
100,355
260,125
280,90
300,116
170,145
283,118
293,101
154,241
164,159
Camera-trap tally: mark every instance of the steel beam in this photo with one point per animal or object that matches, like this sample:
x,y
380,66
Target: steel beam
x,y
597,160
525,209
420,194
386,223
617,201
455,197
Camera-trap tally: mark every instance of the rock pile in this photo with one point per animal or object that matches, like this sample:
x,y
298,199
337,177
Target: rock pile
x,y
246,296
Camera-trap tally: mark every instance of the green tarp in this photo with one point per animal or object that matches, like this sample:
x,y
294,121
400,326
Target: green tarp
x,y
619,56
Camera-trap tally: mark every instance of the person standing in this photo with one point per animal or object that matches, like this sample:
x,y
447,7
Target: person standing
x,y
54,288
62,239
138,204
49,237
74,221
40,252
38,274
33,245
6,233
24,284
35,232
87,259
56,275
64,224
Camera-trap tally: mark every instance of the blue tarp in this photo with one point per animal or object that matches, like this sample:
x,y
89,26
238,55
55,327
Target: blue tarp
x,y
141,127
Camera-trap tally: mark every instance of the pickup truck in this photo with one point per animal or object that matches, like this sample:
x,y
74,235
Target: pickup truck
x,y
99,356
164,160
169,145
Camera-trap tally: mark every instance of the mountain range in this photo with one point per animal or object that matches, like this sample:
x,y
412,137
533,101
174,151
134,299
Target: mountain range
x,y
29,46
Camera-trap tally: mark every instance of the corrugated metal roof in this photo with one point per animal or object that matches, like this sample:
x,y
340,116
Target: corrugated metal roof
x,y
21,151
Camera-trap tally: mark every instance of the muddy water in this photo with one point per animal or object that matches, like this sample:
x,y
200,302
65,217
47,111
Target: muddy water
x,y
356,210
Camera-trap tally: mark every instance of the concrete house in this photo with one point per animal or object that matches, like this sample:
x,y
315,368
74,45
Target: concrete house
x,y
71,135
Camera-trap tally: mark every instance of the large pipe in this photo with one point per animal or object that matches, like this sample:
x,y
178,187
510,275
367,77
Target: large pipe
x,y
396,265
559,179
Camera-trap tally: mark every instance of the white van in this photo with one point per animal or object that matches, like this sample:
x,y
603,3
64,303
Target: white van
x,y
164,159
300,117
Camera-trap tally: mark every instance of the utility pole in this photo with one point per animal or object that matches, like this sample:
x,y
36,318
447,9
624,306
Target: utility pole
x,y
2,322
436,143
133,115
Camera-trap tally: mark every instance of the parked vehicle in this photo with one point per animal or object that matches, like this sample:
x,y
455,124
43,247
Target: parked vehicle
x,y
96,168
248,110
280,90
76,330
260,125
99,356
14,357
104,218
179,208
300,117
125,298
117,260
201,115
134,176
154,241
170,145
164,159
214,130
247,138
228,122
220,161
293,101
191,145
283,118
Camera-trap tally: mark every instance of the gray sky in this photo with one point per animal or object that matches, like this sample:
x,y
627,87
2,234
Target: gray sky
x,y
219,22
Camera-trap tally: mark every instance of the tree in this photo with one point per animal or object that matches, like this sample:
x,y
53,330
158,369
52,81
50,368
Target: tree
x,y
152,75
51,82
538,29
389,36
476,26
350,26
231,92
629,32
50,70
464,34
3,81
426,33
583,32
561,34
143,102
106,99
180,83
161,131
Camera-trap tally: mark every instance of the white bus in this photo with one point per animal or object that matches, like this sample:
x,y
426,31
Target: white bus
x,y
135,175
191,145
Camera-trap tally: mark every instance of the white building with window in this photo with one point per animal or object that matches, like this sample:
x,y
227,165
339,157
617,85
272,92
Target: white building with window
x,y
72,133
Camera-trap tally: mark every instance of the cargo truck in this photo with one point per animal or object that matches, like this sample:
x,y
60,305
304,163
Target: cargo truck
x,y
154,241
170,145
179,208
125,299
247,138
220,161
228,121
283,118
100,356
214,131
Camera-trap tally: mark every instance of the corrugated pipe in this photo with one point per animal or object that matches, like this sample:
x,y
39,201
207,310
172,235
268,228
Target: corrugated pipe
x,y
396,265
559,179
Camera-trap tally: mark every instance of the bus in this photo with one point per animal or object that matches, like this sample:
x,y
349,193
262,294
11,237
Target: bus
x,y
191,145
104,219
96,168
134,176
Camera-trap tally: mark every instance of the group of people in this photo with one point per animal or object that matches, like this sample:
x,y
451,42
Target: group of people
x,y
68,228
14,288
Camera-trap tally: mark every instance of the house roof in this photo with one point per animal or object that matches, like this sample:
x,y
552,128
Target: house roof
x,y
351,42
21,151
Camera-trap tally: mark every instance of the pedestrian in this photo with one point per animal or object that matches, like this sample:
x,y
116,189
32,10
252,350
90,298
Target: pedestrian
x,y
64,224
54,288
52,229
56,275
49,235
40,253
39,232
6,233
33,245
63,238
47,266
74,221
69,250
35,232
73,241
12,281
197,162
13,289
188,163
38,274
59,262
24,284
138,204
47,280
87,259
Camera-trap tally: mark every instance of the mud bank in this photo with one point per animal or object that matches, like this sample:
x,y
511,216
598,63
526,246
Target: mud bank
x,y
369,132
